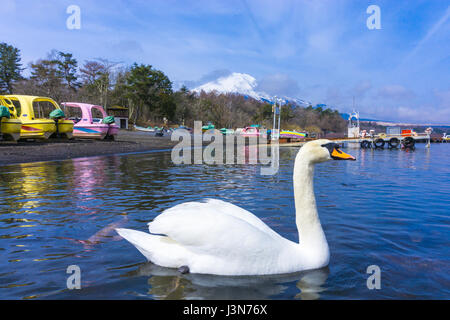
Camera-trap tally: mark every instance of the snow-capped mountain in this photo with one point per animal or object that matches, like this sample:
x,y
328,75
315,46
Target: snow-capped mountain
x,y
239,83
244,84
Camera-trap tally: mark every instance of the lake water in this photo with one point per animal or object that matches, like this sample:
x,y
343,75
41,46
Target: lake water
x,y
389,208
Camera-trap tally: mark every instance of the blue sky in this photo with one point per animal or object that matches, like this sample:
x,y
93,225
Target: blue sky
x,y
321,51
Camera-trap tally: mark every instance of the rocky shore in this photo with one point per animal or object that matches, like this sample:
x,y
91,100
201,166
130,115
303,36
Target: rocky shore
x,y
125,142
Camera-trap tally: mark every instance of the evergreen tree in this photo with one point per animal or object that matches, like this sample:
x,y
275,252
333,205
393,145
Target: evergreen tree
x,y
67,66
10,67
47,78
150,92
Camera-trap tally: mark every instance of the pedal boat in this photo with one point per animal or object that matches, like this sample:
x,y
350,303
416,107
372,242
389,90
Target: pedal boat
x,y
209,126
34,114
226,131
252,131
88,126
292,134
9,127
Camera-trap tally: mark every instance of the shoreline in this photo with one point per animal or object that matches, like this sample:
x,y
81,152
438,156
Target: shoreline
x,y
126,142
39,151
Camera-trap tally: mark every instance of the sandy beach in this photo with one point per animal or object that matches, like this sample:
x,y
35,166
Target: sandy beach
x,y
126,142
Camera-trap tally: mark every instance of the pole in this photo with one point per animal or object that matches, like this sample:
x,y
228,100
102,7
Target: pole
x,y
279,120
274,106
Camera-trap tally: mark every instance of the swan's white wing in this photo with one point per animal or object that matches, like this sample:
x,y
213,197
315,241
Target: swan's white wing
x,y
215,237
215,206
235,211
217,228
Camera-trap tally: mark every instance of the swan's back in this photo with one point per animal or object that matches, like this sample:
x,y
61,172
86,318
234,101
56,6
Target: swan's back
x,y
209,209
216,228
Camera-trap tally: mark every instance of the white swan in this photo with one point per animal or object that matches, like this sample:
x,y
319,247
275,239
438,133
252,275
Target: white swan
x,y
216,237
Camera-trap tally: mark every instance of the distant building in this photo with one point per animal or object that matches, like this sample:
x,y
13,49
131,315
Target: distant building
x,y
353,125
120,115
395,131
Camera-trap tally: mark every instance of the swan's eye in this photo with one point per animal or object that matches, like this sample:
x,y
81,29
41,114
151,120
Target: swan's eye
x,y
330,146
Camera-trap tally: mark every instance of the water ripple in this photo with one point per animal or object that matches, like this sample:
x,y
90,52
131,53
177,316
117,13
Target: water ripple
x,y
389,208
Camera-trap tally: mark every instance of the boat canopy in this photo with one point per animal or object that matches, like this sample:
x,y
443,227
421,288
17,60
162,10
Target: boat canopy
x,y
4,112
86,110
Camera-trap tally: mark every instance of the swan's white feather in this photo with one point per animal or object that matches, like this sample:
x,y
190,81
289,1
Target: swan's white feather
x,y
174,221
160,250
212,237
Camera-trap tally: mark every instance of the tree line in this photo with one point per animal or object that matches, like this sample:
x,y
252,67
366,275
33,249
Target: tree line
x,y
148,94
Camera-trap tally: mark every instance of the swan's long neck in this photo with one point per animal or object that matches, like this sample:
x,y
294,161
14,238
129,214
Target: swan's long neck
x,y
310,231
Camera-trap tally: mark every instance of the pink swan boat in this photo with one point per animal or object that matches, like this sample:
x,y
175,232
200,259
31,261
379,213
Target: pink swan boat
x,y
87,119
253,131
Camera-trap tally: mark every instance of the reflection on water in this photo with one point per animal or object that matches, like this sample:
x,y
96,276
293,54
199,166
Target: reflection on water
x,y
165,283
389,208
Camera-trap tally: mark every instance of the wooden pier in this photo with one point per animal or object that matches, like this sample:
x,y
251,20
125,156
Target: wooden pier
x,y
376,142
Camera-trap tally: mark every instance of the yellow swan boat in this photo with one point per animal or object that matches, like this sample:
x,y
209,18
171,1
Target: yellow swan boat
x,y
34,113
9,127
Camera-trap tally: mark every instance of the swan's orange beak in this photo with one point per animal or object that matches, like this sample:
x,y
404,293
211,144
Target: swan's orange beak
x,y
337,154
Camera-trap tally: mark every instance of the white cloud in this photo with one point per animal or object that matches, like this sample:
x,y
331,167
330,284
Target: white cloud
x,y
443,98
361,89
279,84
396,92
